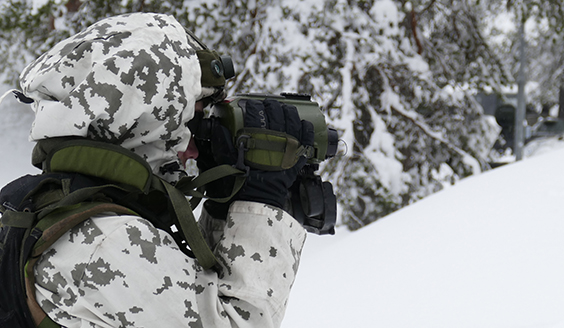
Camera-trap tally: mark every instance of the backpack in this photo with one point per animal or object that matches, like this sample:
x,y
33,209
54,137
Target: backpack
x,y
82,178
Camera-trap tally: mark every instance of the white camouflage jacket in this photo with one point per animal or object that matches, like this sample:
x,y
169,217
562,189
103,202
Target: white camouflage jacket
x,y
120,271
133,80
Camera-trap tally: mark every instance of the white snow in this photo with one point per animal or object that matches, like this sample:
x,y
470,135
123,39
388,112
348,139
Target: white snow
x,y
486,252
386,14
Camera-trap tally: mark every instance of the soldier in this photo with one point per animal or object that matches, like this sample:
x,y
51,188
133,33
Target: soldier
x,y
135,80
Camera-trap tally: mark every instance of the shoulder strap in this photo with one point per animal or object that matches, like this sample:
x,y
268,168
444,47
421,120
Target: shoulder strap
x,y
99,159
189,227
126,171
64,205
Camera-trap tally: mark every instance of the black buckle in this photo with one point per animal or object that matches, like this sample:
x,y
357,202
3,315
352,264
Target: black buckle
x,y
241,149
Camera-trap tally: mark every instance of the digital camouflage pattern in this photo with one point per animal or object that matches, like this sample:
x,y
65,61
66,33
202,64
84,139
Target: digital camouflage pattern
x,y
133,80
130,80
122,272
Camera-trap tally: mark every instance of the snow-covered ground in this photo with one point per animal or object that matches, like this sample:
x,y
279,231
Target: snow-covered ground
x,y
484,253
487,252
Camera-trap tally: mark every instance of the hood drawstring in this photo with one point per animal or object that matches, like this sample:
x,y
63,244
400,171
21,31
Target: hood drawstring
x,y
19,96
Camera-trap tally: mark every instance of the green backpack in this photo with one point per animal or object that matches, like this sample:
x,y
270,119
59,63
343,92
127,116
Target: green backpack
x,y
82,178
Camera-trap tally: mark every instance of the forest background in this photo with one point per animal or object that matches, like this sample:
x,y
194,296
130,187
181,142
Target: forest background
x,y
397,78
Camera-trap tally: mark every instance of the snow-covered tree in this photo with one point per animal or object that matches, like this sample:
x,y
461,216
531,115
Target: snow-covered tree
x,y
409,123
544,30
396,78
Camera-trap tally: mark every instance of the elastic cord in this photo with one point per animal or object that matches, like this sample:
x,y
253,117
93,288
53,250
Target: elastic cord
x,y
6,94
19,96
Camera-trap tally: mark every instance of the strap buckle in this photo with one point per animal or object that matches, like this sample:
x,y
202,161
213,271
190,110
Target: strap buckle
x,y
241,149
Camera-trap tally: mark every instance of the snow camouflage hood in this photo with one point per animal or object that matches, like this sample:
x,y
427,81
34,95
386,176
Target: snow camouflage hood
x,y
130,80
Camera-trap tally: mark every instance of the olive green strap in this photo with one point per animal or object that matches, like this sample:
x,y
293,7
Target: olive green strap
x,y
76,197
48,323
271,150
189,227
191,187
94,158
18,219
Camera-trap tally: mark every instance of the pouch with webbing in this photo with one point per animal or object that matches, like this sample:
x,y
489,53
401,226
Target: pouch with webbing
x,y
83,178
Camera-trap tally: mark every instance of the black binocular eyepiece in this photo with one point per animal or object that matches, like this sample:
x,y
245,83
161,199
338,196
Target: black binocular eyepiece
x,y
223,67
332,142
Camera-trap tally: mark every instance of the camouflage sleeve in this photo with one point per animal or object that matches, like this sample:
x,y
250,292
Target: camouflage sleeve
x,y
259,254
122,272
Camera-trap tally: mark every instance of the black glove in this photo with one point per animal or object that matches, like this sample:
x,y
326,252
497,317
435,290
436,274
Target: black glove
x,y
218,150
268,187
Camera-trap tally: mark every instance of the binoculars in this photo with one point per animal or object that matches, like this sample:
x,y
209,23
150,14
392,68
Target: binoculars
x,y
311,201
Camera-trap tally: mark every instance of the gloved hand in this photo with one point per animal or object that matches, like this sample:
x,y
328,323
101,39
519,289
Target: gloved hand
x,y
268,187
217,151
